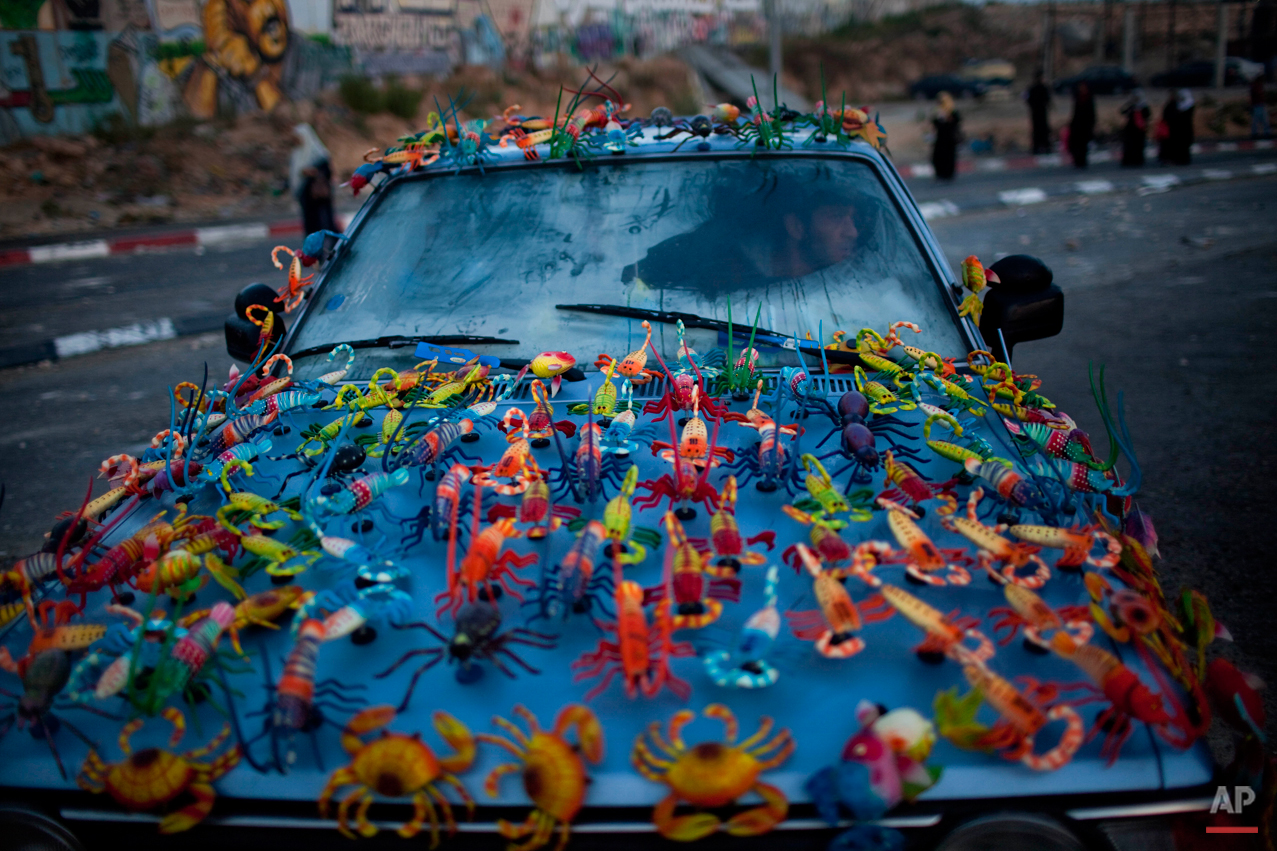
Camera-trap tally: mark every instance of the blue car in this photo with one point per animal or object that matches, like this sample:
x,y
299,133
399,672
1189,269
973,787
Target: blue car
x,y
610,482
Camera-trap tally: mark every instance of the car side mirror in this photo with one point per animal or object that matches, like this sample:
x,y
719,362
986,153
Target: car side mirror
x,y
241,333
1023,305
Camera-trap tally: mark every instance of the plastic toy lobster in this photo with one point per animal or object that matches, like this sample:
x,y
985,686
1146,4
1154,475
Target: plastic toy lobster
x,y
923,559
152,777
485,562
693,601
975,277
713,774
947,636
640,654
545,754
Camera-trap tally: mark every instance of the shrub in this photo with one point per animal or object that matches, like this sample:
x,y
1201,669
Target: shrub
x,y
361,95
400,100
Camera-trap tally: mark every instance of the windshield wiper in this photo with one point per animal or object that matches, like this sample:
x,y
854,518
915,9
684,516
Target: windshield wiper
x,y
691,320
399,341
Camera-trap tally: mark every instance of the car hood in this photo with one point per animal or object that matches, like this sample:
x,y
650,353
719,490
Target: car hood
x,y
815,697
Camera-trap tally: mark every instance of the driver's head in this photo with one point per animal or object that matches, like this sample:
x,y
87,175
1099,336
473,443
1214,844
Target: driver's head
x,y
824,236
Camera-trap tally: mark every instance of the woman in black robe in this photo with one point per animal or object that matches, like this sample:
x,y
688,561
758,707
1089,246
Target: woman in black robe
x,y
944,155
1135,131
1082,127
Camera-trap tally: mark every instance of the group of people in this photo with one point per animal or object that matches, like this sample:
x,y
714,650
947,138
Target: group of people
x,y
1173,132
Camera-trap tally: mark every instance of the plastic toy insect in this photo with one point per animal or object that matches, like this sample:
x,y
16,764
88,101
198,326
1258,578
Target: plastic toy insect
x,y
881,400
1006,482
52,629
46,674
108,678
640,654
947,449
688,484
693,445
586,473
152,777
260,609
627,543
183,670
477,636
692,601
906,483
713,774
826,542
834,627
745,665
1021,716
181,573
484,563
535,509
975,277
552,769
397,765
995,548
516,463
825,499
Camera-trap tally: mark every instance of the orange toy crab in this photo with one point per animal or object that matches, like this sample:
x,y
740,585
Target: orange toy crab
x,y
291,294
713,774
553,774
396,765
153,777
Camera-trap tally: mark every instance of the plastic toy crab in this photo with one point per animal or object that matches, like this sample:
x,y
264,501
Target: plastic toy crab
x,y
397,765
553,773
713,774
152,777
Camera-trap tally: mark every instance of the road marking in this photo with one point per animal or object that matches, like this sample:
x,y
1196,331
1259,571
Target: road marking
x,y
1101,156
1226,147
1217,174
996,164
1021,197
1264,168
1155,183
922,170
938,209
69,251
231,233
1094,187
129,335
1049,159
1264,144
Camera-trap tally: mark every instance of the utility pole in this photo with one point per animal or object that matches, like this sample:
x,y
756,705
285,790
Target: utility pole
x,y
1048,42
1128,39
1221,45
771,9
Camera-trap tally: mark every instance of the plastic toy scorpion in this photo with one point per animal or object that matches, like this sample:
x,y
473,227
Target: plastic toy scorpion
x,y
745,664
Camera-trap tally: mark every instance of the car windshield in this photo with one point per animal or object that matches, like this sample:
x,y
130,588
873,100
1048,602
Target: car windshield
x,y
817,244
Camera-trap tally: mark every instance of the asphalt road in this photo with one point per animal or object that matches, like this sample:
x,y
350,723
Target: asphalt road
x,y
1175,292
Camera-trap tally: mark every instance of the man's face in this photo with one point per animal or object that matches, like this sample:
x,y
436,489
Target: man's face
x,y
833,234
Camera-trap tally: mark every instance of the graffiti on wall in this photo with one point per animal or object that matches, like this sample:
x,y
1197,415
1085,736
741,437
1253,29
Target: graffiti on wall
x,y
67,66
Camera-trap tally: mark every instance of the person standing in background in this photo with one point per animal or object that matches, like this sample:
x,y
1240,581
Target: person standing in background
x,y
1135,131
1038,97
944,154
310,179
1178,115
1259,126
1082,127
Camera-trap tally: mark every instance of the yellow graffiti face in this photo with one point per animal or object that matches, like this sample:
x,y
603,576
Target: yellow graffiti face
x,y
268,25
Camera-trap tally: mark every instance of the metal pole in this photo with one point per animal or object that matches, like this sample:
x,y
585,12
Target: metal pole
x,y
772,10
1048,37
1128,40
1221,45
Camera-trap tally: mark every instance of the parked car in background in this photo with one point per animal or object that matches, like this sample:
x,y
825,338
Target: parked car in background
x,y
1201,73
929,87
991,72
1102,79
